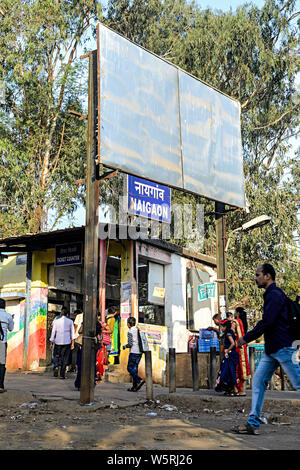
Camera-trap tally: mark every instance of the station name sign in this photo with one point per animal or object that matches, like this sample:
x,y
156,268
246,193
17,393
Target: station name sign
x,y
148,199
68,254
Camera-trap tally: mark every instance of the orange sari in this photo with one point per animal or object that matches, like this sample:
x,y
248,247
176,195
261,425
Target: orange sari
x,y
243,371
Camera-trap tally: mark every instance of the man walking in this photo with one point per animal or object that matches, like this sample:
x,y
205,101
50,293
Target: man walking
x,y
135,355
62,338
278,345
6,324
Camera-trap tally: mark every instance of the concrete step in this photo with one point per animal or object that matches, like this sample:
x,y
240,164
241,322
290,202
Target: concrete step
x,y
116,375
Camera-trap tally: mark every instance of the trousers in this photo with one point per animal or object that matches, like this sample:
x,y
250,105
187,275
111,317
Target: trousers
x,y
285,357
132,367
61,355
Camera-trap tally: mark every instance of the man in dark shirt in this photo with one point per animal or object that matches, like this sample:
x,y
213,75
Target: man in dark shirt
x,y
278,345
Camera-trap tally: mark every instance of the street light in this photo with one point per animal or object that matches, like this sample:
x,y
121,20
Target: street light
x,y
253,223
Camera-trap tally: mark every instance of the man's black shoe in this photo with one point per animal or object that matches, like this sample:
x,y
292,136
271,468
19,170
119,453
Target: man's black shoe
x,y
140,385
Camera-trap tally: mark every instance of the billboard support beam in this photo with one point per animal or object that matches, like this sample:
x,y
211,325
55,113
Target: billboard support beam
x,y
91,248
220,255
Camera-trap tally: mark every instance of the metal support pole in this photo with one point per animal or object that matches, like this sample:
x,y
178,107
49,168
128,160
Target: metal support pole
x,y
281,378
27,311
252,362
212,367
91,249
195,373
148,372
102,277
221,261
172,370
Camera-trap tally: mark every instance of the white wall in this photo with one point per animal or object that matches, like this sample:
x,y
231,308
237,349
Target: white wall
x,y
175,304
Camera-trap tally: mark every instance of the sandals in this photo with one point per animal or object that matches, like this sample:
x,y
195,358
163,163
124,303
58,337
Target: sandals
x,y
231,394
246,429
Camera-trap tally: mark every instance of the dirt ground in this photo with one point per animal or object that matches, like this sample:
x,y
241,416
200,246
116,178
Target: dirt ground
x,y
164,424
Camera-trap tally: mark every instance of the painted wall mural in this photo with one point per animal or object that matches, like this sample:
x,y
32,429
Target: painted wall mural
x,y
37,332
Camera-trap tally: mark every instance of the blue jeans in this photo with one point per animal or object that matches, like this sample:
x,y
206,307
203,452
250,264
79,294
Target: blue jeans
x,y
263,374
132,367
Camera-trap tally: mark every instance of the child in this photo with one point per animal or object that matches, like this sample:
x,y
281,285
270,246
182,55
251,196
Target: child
x,y
227,379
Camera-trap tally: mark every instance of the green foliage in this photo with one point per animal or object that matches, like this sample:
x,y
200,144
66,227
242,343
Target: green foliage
x,y
42,146
251,54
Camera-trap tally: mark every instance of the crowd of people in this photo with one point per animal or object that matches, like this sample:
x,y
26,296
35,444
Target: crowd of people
x,y
66,343
67,338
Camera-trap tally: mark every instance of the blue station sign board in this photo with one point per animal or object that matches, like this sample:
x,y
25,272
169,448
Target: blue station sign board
x,y
148,199
68,254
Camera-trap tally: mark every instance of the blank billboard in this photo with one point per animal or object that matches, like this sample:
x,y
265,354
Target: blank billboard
x,y
160,123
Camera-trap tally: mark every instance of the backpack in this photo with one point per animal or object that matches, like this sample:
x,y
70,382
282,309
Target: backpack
x,y
293,315
143,342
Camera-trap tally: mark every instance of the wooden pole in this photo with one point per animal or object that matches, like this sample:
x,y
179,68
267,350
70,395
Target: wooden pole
x,y
91,249
27,311
221,261
148,372
172,370
252,362
195,373
213,367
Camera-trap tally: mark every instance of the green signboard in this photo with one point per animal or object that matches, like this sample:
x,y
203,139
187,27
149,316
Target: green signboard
x,y
206,291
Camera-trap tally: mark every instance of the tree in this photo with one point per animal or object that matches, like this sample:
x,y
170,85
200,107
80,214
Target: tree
x,y
42,147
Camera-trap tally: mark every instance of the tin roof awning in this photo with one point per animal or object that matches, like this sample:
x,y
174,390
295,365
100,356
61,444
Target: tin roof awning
x,y
44,240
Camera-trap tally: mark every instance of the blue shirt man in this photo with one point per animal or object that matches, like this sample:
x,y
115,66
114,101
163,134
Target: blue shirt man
x,y
274,322
278,345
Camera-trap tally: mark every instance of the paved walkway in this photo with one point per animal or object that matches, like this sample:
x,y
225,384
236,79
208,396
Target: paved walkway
x,y
44,385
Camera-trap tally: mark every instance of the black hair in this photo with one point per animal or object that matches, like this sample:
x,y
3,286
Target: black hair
x,y
131,321
243,317
2,303
217,315
268,269
228,326
229,314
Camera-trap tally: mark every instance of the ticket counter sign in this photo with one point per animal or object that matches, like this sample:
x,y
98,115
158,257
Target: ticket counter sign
x,y
148,199
68,254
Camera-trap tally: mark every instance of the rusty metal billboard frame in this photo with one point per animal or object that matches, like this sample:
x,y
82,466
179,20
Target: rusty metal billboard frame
x,y
161,123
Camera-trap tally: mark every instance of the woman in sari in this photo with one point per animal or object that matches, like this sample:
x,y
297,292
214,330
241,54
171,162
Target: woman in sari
x,y
227,379
243,367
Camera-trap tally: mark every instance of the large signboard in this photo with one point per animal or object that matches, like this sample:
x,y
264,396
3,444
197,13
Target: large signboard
x,y
160,123
148,199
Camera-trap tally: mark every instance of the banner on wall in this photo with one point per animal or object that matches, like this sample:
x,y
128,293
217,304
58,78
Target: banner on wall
x,y
206,291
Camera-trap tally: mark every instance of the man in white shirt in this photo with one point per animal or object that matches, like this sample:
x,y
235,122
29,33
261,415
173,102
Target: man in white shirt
x,y
6,324
62,338
135,355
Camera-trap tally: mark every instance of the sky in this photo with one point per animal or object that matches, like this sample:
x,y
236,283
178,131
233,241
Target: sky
x,y
225,5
